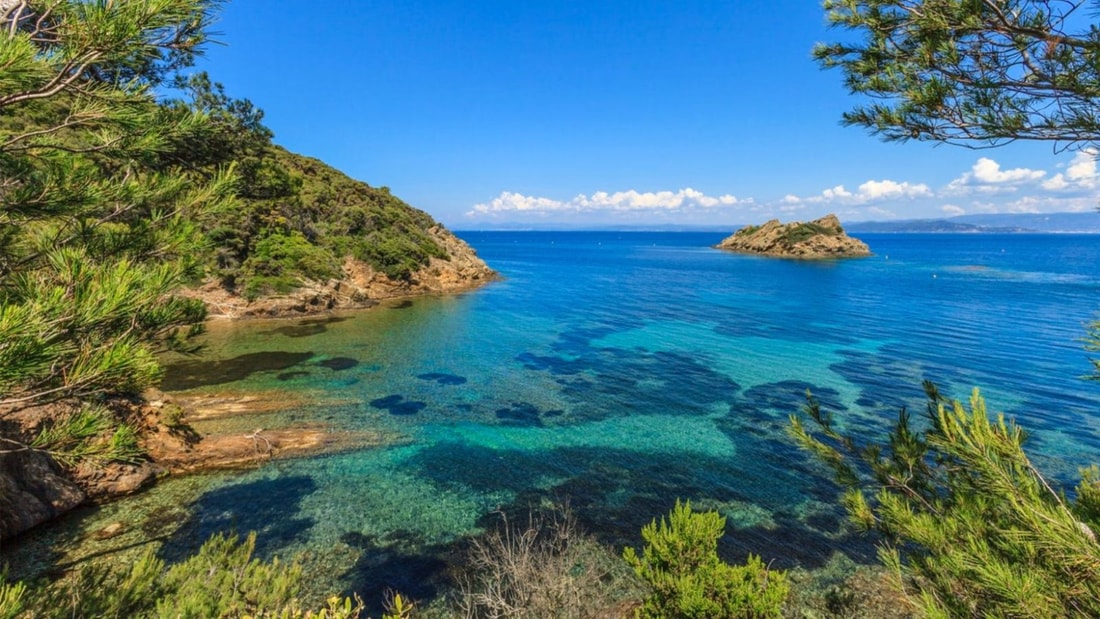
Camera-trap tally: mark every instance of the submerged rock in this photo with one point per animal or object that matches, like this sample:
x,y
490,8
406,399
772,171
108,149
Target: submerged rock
x,y
821,238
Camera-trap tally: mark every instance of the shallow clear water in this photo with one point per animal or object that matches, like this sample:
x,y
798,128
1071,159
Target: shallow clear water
x,y
617,372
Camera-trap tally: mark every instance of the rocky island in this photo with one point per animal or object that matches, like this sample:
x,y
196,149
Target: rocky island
x,y
818,239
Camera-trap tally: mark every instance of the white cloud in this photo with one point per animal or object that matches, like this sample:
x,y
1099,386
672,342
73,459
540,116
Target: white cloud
x,y
630,200
879,190
508,201
986,176
1056,183
1050,204
985,170
986,186
836,192
870,191
1080,174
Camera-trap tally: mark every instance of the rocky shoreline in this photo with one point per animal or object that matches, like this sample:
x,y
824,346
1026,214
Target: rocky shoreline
x,y
35,489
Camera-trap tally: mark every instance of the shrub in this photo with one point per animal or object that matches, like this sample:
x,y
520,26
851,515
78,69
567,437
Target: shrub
x,y
805,231
547,568
971,527
680,562
280,261
222,580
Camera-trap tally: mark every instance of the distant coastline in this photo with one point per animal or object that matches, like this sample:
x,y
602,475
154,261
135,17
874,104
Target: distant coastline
x,y
1022,223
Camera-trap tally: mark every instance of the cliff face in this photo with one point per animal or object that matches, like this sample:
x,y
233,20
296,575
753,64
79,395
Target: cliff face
x,y
821,238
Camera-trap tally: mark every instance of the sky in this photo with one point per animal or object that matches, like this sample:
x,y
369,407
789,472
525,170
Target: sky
x,y
513,113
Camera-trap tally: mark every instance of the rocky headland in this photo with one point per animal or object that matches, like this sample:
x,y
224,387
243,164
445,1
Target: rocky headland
x,y
817,239
358,285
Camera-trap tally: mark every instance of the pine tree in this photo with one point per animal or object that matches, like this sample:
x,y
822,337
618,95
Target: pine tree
x,y
970,526
690,581
971,72
94,237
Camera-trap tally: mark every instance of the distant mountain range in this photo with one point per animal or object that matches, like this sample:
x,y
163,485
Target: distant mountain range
x,y
1080,223
1034,223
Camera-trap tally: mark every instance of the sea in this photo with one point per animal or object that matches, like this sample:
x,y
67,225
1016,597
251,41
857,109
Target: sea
x,y
612,373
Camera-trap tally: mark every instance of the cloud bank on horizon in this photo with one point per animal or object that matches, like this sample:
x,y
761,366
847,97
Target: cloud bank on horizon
x,y
987,187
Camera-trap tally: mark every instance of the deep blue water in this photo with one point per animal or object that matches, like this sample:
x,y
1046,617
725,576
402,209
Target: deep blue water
x,y
618,372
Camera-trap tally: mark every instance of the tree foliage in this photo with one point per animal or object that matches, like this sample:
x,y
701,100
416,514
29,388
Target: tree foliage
x,y
295,219
222,580
95,238
969,524
689,581
971,72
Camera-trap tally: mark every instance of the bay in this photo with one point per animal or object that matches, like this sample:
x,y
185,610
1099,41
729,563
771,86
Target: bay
x,y
615,372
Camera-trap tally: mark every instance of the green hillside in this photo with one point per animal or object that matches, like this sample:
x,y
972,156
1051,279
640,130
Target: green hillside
x,y
310,218
294,217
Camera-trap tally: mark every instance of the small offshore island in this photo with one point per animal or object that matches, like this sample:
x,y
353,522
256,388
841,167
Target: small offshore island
x,y
819,239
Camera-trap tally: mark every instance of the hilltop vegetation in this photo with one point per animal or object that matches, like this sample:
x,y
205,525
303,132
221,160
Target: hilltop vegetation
x,y
821,238
295,218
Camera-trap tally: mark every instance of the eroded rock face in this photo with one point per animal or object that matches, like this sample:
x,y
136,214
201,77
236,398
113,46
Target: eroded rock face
x,y
361,286
33,490
821,238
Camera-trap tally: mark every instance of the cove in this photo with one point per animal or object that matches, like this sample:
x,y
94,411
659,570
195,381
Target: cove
x,y
616,372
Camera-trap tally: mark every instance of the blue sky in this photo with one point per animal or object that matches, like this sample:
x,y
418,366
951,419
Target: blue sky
x,y
639,112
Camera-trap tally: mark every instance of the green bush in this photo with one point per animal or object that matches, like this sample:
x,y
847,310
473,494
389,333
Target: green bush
x,y
680,562
222,580
279,262
971,527
805,231
11,598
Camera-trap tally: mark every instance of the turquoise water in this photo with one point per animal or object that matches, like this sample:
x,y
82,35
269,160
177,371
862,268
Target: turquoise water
x,y
616,372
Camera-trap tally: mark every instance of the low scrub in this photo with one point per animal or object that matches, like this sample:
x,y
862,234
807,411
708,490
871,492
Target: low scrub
x,y
689,581
543,568
223,580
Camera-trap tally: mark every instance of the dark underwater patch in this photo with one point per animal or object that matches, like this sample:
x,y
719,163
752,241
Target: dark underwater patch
x,y
338,364
615,492
269,507
789,396
200,373
396,561
606,382
397,405
442,378
305,328
526,414
886,383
